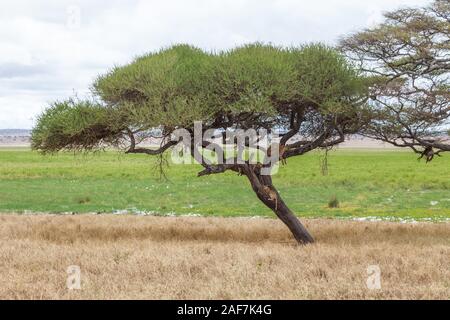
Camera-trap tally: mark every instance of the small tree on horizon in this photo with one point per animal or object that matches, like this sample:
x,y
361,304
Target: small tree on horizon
x,y
310,92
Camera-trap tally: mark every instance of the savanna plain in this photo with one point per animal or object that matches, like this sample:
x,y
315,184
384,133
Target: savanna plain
x,y
134,235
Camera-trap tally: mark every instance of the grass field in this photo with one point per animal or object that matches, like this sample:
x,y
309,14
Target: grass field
x,y
135,257
212,257
366,183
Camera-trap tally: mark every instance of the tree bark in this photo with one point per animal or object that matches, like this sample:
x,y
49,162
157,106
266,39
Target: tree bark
x,y
266,192
289,219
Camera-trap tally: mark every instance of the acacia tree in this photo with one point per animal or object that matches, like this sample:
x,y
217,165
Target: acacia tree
x,y
409,57
308,92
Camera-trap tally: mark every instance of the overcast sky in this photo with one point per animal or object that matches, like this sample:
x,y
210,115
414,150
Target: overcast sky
x,y
51,49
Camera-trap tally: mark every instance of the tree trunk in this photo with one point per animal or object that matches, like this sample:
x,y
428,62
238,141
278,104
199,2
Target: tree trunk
x,y
266,192
288,217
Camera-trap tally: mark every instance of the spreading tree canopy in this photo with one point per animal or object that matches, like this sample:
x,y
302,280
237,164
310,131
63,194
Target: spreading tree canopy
x,y
409,56
309,94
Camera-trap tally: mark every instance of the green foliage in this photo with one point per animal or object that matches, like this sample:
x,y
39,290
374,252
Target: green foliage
x,y
75,125
176,86
252,78
170,87
324,77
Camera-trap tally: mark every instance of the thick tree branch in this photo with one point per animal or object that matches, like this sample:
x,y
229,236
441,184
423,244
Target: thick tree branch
x,y
217,168
148,151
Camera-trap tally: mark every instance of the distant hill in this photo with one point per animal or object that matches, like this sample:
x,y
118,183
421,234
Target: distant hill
x,y
15,132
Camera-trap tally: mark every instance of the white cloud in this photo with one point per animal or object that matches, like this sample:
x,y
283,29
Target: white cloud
x,y
47,51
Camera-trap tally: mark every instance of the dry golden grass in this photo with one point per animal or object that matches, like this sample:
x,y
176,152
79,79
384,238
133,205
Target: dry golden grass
x,y
124,257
